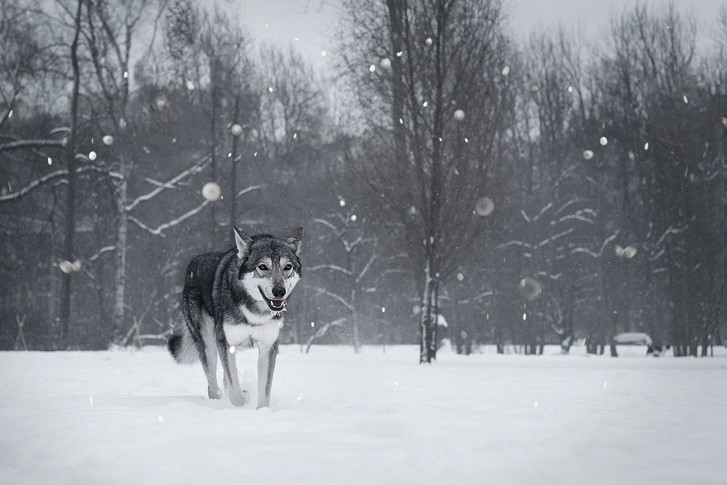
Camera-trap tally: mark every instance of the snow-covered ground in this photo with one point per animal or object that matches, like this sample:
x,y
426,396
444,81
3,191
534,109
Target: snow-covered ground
x,y
138,418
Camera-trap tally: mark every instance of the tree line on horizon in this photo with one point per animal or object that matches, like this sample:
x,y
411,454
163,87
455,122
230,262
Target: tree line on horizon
x,y
458,186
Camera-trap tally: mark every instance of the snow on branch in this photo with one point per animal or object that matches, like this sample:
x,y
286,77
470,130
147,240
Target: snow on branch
x,y
322,331
248,189
553,238
197,167
600,252
158,231
49,177
366,267
671,230
543,211
34,143
327,224
514,243
336,297
332,267
577,216
100,252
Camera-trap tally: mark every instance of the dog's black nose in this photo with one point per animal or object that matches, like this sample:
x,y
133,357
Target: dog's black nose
x,y
278,291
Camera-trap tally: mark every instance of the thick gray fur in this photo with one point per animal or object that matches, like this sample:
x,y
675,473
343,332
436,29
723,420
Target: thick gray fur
x,y
237,298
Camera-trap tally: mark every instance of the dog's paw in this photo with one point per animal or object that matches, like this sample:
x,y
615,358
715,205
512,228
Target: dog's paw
x,y
239,398
214,392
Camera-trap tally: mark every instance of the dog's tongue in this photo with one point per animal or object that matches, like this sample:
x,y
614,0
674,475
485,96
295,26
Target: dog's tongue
x,y
277,303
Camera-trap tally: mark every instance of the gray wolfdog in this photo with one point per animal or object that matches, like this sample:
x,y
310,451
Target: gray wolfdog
x,y
236,300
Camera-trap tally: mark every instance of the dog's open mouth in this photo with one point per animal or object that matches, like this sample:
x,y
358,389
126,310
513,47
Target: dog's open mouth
x,y
274,305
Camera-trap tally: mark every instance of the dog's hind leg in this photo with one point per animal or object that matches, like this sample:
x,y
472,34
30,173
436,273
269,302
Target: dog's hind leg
x,y
210,346
238,397
201,330
265,369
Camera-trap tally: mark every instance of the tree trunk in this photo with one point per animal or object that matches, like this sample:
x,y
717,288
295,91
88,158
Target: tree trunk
x,y
121,249
354,323
70,215
233,175
425,319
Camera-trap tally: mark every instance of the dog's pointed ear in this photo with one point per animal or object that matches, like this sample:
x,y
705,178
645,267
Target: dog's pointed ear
x,y
295,239
243,243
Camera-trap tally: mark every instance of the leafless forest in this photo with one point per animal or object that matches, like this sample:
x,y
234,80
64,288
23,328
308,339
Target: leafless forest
x,y
552,190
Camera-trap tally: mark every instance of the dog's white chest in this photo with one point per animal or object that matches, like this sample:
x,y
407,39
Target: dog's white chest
x,y
263,335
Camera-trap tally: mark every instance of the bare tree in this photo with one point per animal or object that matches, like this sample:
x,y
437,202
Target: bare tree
x,y
437,65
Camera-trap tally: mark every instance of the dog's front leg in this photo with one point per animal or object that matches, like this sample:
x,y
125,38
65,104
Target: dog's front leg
x,y
229,367
265,369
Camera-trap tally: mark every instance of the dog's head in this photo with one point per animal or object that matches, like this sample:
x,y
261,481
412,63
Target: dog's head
x,y
269,268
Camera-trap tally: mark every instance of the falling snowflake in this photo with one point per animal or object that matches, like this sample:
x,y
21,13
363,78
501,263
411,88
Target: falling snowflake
x,y
92,155
323,54
458,115
385,63
603,141
684,98
460,277
270,89
76,266
353,217
236,130
232,349
372,68
530,288
108,140
66,266
506,70
383,309
646,146
342,202
50,161
10,113
588,154
484,206
629,252
428,41
618,250
466,140
425,103
399,54
126,75
570,89
211,191
190,85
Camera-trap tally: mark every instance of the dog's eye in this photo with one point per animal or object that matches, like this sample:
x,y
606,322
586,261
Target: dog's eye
x,y
288,267
262,267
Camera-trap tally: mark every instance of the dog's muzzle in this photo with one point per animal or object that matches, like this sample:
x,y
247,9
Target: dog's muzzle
x,y
275,305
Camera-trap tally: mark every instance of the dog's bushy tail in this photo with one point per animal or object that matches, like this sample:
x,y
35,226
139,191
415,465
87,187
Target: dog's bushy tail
x,y
182,347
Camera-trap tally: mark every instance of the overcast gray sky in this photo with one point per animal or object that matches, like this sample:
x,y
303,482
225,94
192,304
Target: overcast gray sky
x,y
313,21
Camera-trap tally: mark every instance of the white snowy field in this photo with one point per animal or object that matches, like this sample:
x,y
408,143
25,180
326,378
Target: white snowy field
x,y
137,417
